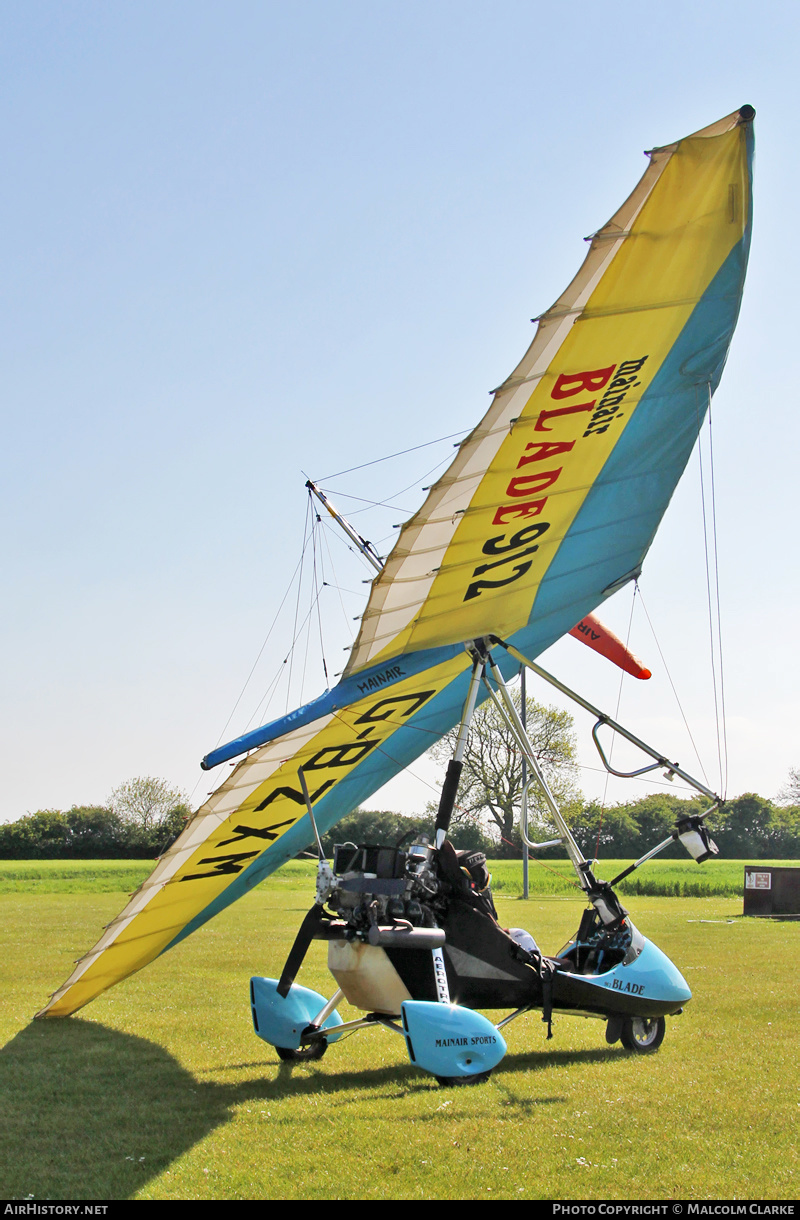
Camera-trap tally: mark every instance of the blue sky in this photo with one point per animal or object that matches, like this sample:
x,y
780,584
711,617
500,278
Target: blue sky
x,y
249,242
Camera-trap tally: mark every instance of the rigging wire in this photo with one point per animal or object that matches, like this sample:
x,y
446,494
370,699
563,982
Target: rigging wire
x,y
718,684
314,604
297,602
389,456
380,749
719,605
299,627
672,684
329,584
260,652
368,504
672,786
339,588
264,702
316,589
385,503
616,717
317,526
573,881
266,698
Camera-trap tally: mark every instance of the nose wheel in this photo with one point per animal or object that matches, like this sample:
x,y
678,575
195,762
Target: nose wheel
x,y
303,1054
643,1036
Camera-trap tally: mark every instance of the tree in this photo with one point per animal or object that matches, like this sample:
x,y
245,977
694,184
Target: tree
x,y
87,832
606,830
42,835
633,827
491,780
148,802
386,829
790,792
95,832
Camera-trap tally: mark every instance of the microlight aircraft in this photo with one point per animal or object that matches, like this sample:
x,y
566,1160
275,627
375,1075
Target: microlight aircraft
x,y
548,508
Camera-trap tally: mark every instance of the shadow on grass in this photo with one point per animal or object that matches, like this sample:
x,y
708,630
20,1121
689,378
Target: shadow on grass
x,y
92,1113
540,1061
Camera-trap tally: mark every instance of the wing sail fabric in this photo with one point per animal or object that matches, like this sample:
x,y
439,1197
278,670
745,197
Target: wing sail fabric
x,y
550,505
477,557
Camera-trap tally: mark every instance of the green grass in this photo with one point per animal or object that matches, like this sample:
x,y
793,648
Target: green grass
x,y
161,1090
657,878
665,878
103,876
73,876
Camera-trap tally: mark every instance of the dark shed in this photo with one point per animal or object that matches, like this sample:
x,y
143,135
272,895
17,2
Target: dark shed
x,y
770,890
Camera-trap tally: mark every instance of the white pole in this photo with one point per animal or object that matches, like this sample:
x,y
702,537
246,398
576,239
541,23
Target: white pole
x,y
524,703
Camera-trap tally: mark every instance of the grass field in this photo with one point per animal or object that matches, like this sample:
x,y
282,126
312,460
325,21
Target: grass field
x,y
657,878
161,1090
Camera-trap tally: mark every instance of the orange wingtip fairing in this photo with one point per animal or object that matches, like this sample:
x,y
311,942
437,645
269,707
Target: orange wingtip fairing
x,y
594,634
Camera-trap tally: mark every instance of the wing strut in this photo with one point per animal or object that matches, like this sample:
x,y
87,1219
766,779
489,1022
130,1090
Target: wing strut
x,y
505,705
690,830
599,893
602,718
450,787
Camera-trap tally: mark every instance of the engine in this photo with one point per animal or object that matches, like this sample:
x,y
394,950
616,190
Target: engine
x,y
386,887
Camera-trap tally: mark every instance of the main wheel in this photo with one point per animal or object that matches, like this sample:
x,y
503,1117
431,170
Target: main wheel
x,y
453,1082
303,1054
643,1035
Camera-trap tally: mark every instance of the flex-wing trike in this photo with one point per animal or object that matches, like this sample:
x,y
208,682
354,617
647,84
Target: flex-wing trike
x,y
415,944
